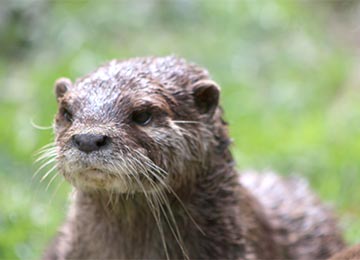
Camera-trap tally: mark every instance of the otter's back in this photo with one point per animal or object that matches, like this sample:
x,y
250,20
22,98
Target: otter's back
x,y
351,253
303,225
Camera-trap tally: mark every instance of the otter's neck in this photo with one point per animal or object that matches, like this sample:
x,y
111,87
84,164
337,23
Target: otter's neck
x,y
132,227
213,217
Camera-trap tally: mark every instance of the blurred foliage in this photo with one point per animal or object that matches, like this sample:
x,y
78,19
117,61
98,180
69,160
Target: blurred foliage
x,y
288,71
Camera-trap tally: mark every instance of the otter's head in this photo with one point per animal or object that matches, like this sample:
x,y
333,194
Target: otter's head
x,y
136,125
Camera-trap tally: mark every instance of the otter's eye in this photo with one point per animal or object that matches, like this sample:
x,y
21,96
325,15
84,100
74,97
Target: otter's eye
x,y
67,115
142,117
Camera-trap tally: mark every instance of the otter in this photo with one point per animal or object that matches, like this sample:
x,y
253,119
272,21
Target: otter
x,y
144,144
351,253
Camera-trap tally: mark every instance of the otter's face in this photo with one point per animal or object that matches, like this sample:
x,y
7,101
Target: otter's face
x,y
127,134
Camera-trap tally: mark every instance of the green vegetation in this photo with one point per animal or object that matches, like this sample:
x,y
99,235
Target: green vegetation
x,y
287,68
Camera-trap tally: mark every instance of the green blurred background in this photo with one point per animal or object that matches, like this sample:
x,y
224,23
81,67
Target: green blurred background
x,y
289,72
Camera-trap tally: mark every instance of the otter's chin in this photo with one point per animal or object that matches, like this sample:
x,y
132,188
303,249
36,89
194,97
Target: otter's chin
x,y
101,180
97,180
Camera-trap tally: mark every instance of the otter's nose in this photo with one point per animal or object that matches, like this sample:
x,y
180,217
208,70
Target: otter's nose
x,y
90,142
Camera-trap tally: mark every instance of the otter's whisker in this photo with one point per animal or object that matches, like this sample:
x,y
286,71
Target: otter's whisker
x,y
48,173
56,190
45,151
46,147
52,160
124,175
161,199
46,155
152,203
154,208
187,211
186,122
51,180
173,225
121,174
167,187
155,170
110,200
33,124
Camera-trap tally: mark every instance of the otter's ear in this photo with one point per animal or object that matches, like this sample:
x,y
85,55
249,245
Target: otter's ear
x,y
206,96
62,85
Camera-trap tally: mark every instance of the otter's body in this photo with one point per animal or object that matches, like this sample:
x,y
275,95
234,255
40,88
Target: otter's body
x,y
144,144
351,253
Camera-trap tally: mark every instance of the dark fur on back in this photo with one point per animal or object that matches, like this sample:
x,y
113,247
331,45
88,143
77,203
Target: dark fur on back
x,y
351,253
166,188
303,226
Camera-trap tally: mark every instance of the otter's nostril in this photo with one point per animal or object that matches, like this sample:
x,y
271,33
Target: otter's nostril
x,y
90,142
76,141
102,141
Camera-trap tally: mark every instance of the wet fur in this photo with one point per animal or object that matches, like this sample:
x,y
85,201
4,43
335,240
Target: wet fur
x,y
351,253
169,189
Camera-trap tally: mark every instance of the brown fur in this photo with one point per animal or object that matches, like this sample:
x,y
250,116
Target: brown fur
x,y
167,189
351,253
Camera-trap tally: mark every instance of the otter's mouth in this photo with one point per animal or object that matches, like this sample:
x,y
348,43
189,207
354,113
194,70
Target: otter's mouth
x,y
95,178
93,170
94,173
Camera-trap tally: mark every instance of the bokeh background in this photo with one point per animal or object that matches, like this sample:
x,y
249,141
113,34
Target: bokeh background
x,y
289,72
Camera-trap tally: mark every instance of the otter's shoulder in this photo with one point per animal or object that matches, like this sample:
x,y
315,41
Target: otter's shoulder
x,y
303,225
